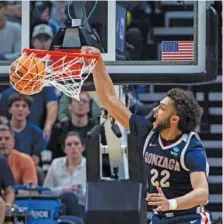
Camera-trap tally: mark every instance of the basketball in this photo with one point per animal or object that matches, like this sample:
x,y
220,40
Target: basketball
x,y
27,74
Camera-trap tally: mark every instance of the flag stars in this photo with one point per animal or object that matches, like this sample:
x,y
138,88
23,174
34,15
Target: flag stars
x,y
170,46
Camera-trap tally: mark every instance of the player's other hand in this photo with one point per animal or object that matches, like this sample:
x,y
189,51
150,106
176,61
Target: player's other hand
x,y
159,200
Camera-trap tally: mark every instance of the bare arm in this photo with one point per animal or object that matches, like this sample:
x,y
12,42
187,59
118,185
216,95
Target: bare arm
x,y
51,116
106,91
199,195
9,196
52,108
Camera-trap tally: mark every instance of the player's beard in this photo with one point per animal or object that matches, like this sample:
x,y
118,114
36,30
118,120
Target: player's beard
x,y
162,126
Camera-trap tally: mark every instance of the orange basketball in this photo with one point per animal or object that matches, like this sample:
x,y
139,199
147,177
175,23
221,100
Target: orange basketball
x,y
27,74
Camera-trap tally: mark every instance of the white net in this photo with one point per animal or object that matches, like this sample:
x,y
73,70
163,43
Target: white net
x,y
64,73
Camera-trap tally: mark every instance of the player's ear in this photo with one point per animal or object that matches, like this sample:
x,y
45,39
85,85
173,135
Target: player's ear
x,y
175,119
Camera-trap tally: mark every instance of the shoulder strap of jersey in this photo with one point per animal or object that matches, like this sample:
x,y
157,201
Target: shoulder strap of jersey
x,y
185,148
147,141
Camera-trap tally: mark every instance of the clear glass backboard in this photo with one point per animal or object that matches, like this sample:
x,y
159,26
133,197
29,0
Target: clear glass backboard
x,y
145,41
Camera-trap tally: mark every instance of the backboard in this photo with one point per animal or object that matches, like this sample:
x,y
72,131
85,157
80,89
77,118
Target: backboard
x,y
145,42
159,42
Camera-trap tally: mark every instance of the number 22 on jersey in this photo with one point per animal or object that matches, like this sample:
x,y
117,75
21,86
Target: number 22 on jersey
x,y
163,176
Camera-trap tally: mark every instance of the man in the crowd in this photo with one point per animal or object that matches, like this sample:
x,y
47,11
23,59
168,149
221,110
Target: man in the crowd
x,y
79,121
28,137
64,113
42,37
21,164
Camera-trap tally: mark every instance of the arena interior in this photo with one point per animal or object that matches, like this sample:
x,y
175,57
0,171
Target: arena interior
x,y
43,189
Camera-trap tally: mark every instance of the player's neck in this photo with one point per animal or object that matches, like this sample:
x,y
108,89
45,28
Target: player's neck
x,y
17,125
170,134
79,121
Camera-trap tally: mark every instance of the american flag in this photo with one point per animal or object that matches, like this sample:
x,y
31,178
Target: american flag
x,y
177,50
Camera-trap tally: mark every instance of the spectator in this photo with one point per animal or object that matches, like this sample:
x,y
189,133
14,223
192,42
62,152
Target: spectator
x,y
79,121
22,165
43,111
2,211
6,182
68,174
14,11
64,113
42,37
28,137
10,31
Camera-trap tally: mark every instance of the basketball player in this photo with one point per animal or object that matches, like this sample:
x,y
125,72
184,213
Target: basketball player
x,y
175,157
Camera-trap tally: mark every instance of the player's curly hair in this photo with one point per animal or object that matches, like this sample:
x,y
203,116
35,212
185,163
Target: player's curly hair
x,y
187,109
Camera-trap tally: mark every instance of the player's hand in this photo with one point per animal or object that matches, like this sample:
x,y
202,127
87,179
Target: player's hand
x,y
159,200
90,50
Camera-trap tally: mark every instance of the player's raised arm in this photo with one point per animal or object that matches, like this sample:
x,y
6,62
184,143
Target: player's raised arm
x,y
106,91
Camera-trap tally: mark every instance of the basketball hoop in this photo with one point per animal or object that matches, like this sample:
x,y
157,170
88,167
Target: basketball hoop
x,y
64,70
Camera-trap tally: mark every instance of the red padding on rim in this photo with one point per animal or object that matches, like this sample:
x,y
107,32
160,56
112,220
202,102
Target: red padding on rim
x,y
55,55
